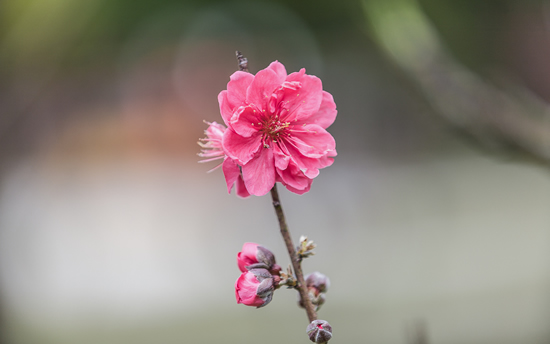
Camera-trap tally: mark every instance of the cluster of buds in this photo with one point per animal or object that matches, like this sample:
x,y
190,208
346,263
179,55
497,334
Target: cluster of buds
x,y
317,285
259,277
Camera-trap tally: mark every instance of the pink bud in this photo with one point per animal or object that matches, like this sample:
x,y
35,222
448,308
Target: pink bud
x,y
254,288
254,256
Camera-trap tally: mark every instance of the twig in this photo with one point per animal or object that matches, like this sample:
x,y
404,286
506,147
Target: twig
x,y
302,289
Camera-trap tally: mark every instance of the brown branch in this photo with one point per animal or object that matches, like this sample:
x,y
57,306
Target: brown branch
x,y
302,289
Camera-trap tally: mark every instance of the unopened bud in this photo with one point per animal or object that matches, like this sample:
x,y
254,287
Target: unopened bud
x,y
318,280
254,256
317,284
275,270
305,249
254,288
287,278
319,331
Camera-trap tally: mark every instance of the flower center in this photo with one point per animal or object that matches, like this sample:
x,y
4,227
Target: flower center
x,y
273,129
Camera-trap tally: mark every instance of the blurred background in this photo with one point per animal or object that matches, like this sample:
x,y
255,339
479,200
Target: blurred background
x,y
433,224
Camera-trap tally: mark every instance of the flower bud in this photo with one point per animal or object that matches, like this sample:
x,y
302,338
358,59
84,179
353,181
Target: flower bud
x,y
275,270
318,281
317,284
254,256
254,288
319,331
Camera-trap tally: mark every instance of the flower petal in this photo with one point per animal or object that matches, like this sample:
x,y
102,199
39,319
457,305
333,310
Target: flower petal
x,y
236,88
279,99
293,177
263,85
291,189
246,121
312,140
215,131
259,173
240,148
241,188
245,290
282,158
326,114
237,290
231,172
305,101
226,110
247,256
298,191
309,166
279,69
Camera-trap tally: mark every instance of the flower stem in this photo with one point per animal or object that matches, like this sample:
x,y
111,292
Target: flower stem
x,y
293,256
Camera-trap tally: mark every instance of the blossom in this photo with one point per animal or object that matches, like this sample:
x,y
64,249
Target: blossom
x,y
254,288
276,129
212,150
255,256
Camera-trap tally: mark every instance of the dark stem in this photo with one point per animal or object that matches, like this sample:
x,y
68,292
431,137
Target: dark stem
x,y
293,256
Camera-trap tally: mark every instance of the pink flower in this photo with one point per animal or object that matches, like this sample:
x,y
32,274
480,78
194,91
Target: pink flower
x,y
254,288
254,256
212,150
276,129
